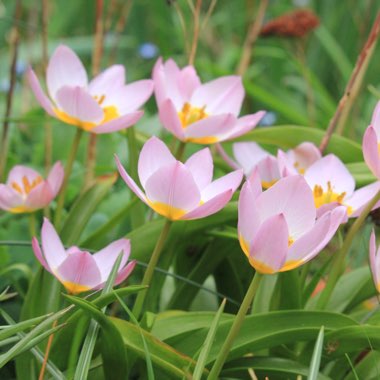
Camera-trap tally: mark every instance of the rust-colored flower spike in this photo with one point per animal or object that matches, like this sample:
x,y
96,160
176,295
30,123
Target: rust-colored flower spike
x,y
293,24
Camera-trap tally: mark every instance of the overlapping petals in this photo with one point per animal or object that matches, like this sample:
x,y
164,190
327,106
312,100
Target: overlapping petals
x,y
78,270
201,113
371,143
180,191
278,228
26,190
103,105
374,260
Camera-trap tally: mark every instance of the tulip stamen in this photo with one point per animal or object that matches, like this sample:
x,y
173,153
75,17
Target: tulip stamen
x,y
27,186
189,115
322,197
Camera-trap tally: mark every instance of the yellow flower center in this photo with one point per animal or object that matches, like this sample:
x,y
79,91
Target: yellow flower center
x,y
74,288
268,184
189,115
172,213
26,187
322,197
298,167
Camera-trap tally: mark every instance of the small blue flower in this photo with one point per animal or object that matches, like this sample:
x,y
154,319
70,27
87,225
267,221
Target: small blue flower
x,y
269,119
148,50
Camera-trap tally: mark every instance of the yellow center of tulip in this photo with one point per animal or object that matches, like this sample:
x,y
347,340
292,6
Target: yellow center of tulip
x,y
189,114
110,113
322,197
298,167
74,288
26,187
268,184
172,213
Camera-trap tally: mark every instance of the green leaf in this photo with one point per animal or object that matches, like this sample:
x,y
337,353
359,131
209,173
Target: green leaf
x,y
288,136
360,171
316,358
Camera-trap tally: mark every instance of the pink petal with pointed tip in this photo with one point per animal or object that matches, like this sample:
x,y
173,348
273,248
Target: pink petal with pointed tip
x,y
248,154
39,93
119,123
374,260
106,257
107,81
371,151
210,207
79,104
222,95
154,155
269,170
201,167
129,181
173,185
255,182
361,197
55,178
375,122
267,250
52,246
169,118
38,253
188,82
292,197
285,164
230,181
64,69
79,269
245,124
125,272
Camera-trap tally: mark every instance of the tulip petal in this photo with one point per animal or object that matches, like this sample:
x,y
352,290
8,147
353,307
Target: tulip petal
x,y
108,81
125,272
245,124
9,198
292,197
361,197
39,93
105,258
38,253
129,181
154,155
52,246
222,95
55,178
64,69
374,260
119,123
79,272
269,171
188,82
19,172
375,122
172,191
169,118
304,155
39,197
248,154
270,245
371,151
201,167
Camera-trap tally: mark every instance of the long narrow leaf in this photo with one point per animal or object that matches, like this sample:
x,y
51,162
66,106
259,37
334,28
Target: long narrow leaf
x,y
316,358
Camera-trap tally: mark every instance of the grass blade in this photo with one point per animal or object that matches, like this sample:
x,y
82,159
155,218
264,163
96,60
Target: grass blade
x,y
316,358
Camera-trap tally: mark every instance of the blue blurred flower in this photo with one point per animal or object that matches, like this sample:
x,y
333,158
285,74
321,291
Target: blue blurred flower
x,y
148,50
269,118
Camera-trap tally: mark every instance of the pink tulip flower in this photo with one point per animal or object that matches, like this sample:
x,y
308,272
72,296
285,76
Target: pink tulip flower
x,y
77,270
371,143
26,191
374,260
201,113
332,184
278,228
104,105
176,190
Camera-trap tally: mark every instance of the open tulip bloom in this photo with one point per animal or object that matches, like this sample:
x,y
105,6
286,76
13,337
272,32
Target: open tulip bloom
x,y
371,143
201,113
103,105
278,228
176,190
77,270
374,260
26,191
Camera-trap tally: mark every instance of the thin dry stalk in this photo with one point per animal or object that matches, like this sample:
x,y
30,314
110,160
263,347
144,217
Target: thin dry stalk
x,y
194,44
183,26
14,44
209,13
353,84
47,352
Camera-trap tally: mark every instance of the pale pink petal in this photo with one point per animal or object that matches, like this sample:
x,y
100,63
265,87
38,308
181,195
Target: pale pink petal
x,y
52,246
125,272
361,197
371,151
129,181
119,123
154,155
173,185
304,155
254,180
214,127
79,269
55,178
374,262
222,95
269,171
285,164
39,197
107,81
292,197
248,154
64,69
169,118
18,172
188,82
245,124
39,93
226,157
330,169
270,245
79,104
38,253
201,167
131,97
375,122
230,181
105,258
9,198
210,207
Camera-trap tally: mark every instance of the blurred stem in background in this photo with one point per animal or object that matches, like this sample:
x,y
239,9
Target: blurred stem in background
x,y
353,85
194,43
14,45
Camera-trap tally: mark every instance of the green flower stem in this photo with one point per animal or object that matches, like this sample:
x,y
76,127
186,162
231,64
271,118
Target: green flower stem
x,y
138,306
338,263
68,169
219,362
32,224
180,150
